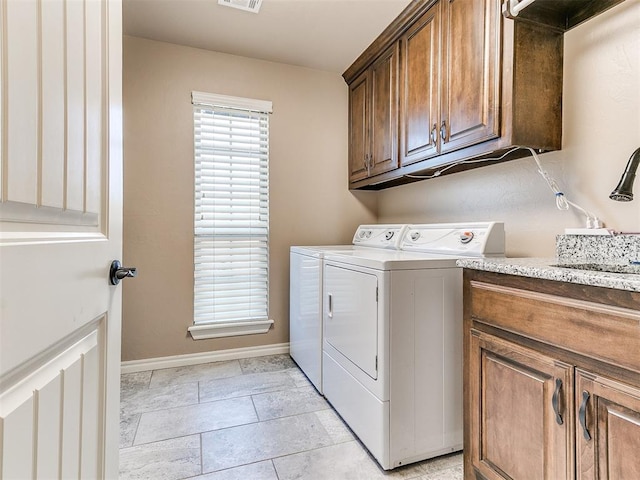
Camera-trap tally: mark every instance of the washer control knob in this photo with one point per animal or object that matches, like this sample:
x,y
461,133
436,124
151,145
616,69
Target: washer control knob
x,y
414,236
466,237
389,235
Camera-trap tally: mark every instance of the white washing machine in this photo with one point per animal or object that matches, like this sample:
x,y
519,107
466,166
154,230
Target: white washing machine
x,y
305,300
392,346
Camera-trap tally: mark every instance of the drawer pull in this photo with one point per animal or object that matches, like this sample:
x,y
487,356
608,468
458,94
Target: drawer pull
x,y
555,401
434,134
582,415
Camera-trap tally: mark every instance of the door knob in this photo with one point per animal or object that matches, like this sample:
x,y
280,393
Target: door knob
x,y
117,272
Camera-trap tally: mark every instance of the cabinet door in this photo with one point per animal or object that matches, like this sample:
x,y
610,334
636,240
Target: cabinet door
x,y
419,111
521,425
359,127
470,80
608,428
384,109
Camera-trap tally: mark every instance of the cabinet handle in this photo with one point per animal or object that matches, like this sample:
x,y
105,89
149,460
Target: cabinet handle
x,y
443,130
367,163
582,415
330,313
434,134
555,401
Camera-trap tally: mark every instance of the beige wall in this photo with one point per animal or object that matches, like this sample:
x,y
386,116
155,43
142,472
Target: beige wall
x,y
309,199
601,130
308,170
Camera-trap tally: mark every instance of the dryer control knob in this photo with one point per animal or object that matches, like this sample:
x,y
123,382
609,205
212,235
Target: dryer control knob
x,y
389,235
466,237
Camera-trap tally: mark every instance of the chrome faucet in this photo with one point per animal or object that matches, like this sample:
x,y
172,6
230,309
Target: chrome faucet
x,y
624,190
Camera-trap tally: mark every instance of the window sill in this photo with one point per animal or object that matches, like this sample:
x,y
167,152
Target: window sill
x,y
217,330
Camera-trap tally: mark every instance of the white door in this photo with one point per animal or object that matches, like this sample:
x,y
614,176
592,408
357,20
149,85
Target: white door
x,y
351,316
60,228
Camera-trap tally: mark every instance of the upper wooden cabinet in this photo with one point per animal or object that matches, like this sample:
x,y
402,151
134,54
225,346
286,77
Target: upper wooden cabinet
x,y
470,83
359,108
449,82
420,87
373,118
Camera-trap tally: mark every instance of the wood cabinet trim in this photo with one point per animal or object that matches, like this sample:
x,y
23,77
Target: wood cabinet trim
x,y
632,315
564,323
605,383
601,295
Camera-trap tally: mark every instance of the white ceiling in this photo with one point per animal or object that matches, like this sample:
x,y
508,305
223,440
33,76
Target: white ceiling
x,y
321,34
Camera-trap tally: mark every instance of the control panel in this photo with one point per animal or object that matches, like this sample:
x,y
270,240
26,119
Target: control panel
x,y
468,239
379,236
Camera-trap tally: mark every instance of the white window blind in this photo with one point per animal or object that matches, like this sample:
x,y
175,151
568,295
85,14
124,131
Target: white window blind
x,y
231,227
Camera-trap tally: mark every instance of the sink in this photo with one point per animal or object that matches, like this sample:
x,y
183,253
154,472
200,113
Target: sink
x,y
602,267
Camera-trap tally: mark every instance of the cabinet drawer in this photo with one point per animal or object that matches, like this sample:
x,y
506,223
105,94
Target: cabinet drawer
x,y
607,333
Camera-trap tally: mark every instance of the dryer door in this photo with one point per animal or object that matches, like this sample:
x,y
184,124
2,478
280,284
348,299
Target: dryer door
x,y
351,316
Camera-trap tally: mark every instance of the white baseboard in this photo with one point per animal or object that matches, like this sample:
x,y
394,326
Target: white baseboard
x,y
132,366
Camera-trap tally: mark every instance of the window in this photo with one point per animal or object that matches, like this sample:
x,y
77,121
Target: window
x,y
231,224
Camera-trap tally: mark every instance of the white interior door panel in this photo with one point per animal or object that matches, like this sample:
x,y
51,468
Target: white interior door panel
x,y
60,228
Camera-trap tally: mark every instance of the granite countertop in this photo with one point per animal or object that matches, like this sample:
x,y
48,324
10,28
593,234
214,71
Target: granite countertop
x,y
545,268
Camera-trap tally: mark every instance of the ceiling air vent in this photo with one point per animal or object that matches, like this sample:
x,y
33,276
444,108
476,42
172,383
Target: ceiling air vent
x,y
247,5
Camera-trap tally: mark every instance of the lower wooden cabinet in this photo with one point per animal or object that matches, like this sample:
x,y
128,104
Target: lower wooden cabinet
x,y
608,429
520,426
552,380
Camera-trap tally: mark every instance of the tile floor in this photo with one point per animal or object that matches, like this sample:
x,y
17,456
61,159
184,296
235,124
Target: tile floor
x,y
250,419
